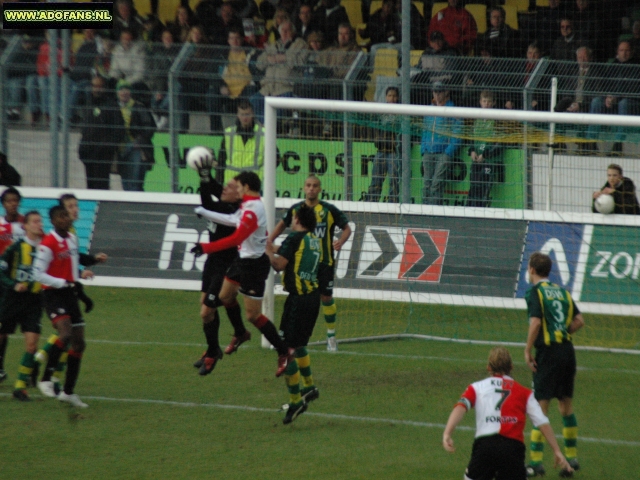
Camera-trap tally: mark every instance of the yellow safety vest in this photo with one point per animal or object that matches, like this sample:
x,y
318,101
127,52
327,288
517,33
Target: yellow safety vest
x,y
243,156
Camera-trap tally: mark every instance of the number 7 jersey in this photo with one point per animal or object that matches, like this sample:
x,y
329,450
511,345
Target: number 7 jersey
x,y
502,406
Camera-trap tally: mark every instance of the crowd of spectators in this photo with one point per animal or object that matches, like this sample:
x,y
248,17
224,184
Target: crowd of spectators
x,y
239,51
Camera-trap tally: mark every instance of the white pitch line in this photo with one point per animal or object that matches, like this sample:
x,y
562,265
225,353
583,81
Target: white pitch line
x,y
330,416
357,354
344,352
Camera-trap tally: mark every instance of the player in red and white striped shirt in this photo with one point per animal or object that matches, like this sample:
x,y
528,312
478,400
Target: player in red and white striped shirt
x,y
11,223
56,268
249,272
502,405
10,231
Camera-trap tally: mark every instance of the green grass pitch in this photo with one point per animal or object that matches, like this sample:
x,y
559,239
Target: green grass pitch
x,y
381,410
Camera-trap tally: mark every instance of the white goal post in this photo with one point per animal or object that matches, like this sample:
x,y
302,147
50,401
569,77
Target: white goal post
x,y
273,104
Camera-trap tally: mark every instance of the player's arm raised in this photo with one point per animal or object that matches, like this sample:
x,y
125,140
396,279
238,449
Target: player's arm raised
x,y
248,224
228,219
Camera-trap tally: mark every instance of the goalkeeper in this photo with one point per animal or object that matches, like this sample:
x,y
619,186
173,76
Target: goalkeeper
x,y
216,265
298,258
328,217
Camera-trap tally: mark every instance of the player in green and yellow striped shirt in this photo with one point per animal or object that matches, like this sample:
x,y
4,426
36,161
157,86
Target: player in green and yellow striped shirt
x,y
299,257
328,218
21,304
553,319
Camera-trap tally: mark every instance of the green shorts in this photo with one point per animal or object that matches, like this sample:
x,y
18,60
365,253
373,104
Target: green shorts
x,y
299,318
556,371
24,309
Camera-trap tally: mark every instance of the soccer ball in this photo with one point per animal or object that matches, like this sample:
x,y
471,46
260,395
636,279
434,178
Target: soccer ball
x,y
200,157
605,204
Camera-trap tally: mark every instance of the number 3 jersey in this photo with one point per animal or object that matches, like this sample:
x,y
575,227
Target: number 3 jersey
x,y
502,406
554,306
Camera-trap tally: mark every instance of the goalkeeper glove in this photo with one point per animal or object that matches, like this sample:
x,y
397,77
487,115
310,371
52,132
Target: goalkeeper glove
x,y
197,250
206,164
205,174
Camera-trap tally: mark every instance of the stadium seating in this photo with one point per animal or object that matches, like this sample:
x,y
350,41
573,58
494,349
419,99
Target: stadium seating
x,y
415,57
521,5
511,16
76,40
167,10
385,64
143,7
375,6
479,12
437,6
354,11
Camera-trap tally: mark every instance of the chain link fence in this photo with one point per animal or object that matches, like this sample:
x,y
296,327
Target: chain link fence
x,y
187,95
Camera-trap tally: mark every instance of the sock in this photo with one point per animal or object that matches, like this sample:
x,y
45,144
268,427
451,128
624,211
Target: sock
x,y
3,350
329,309
235,317
24,370
269,331
62,363
44,351
537,446
570,434
292,378
304,362
211,334
73,371
57,349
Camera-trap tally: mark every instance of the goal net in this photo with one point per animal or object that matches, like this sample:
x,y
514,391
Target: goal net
x,y
454,268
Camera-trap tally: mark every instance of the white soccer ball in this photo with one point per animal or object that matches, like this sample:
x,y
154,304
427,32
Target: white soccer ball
x,y
200,157
605,204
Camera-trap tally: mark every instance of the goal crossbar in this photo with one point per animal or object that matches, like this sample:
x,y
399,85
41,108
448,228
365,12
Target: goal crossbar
x,y
273,104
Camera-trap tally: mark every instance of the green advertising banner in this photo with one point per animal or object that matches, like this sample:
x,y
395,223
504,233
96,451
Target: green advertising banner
x,y
299,158
613,266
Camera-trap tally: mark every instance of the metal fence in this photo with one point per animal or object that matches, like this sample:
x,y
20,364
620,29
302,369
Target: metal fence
x,y
192,91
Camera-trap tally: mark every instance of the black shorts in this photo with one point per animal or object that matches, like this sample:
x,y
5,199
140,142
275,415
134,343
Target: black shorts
x,y
24,309
215,269
556,372
325,279
251,274
61,303
497,457
299,318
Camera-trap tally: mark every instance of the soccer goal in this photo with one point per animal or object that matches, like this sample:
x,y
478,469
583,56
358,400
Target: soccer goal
x,y
456,270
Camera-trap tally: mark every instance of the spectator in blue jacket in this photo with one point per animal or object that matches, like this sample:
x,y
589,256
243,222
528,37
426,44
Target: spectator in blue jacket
x,y
440,143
